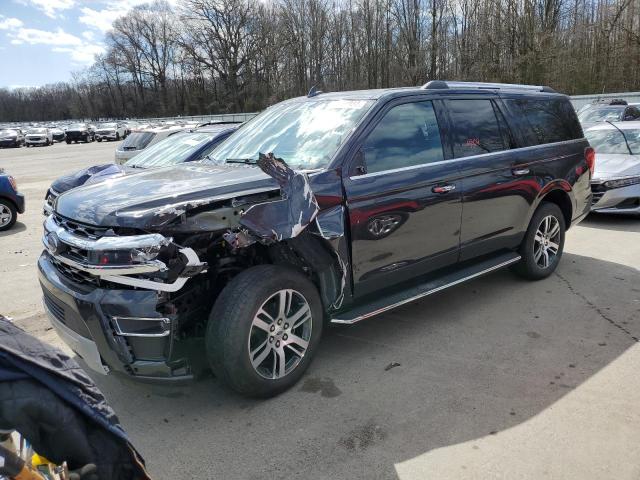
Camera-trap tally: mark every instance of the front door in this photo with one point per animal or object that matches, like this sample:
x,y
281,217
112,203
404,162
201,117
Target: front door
x,y
404,200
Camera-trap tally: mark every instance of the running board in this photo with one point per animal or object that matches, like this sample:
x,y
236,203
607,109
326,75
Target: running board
x,y
390,302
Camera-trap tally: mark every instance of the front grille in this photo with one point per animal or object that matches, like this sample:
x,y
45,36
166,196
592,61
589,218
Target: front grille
x,y
80,230
56,310
75,275
597,196
598,190
51,197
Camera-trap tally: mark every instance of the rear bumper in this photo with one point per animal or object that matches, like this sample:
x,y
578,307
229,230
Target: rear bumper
x,y
113,330
9,143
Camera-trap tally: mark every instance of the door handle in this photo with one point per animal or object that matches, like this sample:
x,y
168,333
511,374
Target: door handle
x,y
520,171
443,188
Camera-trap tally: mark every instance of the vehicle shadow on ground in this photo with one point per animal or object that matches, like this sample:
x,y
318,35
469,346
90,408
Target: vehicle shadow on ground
x,y
619,223
462,364
17,228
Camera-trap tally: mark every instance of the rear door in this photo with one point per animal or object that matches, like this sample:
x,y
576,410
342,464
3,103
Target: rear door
x,y
495,185
403,198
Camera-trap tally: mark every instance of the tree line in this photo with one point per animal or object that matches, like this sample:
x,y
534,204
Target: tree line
x,y
220,56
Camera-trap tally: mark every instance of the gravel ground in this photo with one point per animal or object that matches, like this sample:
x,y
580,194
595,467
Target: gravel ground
x,y
497,378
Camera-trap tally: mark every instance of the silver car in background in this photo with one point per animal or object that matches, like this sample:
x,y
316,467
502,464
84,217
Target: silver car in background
x,y
616,179
38,136
138,140
110,131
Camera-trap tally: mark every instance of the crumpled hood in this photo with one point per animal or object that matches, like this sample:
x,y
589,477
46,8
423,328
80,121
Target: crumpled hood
x,y
616,165
154,197
88,176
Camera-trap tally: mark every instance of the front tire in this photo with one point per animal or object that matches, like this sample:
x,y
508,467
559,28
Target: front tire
x,y
263,330
8,215
543,244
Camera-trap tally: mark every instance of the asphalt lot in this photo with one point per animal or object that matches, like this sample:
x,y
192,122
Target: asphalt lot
x,y
498,378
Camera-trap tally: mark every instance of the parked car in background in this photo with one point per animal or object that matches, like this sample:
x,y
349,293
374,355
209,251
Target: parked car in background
x,y
38,137
616,180
141,139
79,132
616,111
251,250
11,201
58,134
110,131
12,137
182,147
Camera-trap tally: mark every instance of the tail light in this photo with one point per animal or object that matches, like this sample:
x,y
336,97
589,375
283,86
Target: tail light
x,y
590,157
13,183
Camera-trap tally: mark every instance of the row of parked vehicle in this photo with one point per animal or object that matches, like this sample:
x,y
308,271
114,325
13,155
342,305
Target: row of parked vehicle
x,y
333,207
16,137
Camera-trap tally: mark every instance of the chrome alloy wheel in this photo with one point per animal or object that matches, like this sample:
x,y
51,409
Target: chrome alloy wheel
x,y
546,243
5,215
280,334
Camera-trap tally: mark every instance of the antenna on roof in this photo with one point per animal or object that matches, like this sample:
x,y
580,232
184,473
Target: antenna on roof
x,y
313,92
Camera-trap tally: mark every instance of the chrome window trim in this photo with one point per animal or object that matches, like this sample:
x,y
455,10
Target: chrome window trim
x,y
461,159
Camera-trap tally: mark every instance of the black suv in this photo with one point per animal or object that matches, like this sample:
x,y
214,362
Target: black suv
x,y
328,208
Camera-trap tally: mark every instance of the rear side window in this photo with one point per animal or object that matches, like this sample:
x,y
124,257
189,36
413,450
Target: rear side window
x,y
475,128
137,140
408,135
549,120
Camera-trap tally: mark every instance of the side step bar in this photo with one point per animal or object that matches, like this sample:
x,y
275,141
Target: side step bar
x,y
392,301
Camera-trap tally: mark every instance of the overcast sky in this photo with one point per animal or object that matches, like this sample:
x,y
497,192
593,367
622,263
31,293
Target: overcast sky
x,y
43,41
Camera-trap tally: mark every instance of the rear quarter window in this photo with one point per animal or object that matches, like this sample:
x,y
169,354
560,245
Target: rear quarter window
x,y
137,140
547,120
476,128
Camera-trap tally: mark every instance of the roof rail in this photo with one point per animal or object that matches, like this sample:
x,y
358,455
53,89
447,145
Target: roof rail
x,y
441,84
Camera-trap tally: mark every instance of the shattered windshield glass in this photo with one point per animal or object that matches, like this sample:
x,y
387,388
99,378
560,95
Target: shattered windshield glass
x,y
305,134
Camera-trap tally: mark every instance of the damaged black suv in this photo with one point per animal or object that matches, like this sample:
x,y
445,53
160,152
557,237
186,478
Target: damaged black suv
x,y
328,208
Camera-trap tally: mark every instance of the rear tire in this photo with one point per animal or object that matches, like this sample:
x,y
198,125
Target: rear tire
x,y
8,215
543,244
263,330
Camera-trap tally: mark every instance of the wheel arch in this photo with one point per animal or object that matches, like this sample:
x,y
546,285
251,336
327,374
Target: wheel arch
x,y
10,200
560,195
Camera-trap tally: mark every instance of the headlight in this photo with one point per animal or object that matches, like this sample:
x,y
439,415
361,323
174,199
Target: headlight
x,y
13,183
133,256
622,182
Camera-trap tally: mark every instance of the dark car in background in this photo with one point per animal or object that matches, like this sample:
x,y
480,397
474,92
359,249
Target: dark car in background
x,y
249,252
79,132
58,134
11,201
12,137
179,148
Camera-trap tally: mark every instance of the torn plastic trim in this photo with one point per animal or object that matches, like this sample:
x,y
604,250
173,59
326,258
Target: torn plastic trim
x,y
192,268
278,220
119,273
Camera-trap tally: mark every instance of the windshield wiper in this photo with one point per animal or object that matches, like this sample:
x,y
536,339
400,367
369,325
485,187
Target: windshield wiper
x,y
623,136
246,161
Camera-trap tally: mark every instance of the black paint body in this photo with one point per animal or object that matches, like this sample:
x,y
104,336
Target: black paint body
x,y
488,206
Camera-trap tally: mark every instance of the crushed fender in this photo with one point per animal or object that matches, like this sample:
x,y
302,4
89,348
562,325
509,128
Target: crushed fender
x,y
281,219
